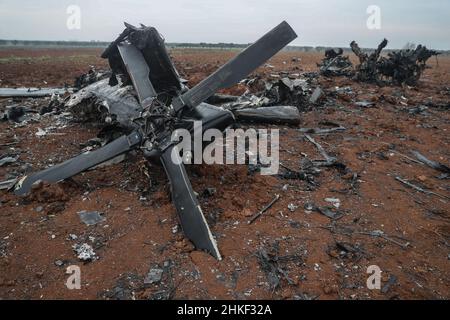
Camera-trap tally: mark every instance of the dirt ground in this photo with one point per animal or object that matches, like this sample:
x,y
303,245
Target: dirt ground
x,y
317,257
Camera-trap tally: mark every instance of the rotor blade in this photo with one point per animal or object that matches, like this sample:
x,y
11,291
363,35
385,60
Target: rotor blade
x,y
80,163
139,72
239,67
189,211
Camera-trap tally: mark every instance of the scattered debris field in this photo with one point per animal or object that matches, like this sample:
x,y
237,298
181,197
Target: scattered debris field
x,y
364,180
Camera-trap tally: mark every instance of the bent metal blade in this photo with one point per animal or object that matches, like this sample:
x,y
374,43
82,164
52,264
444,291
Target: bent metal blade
x,y
189,211
79,163
239,67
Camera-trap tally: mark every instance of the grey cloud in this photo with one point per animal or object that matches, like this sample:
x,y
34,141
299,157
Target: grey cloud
x,y
330,22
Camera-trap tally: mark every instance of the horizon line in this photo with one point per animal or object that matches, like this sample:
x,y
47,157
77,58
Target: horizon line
x,y
102,42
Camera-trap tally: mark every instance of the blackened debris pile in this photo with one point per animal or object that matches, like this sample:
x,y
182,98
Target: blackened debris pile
x,y
399,67
158,105
335,64
88,78
367,70
284,90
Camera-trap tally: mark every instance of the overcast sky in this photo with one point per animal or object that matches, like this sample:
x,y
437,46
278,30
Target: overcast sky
x,y
317,22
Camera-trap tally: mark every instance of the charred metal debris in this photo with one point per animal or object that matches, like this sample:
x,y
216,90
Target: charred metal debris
x,y
144,99
396,68
335,64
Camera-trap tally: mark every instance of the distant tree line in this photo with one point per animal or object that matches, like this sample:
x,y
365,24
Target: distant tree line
x,y
206,45
102,44
201,45
43,43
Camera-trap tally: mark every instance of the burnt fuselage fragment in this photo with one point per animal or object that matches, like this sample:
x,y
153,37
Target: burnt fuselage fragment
x,y
398,67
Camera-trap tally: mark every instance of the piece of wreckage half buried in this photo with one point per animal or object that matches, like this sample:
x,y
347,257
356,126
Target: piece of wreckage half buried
x,y
165,104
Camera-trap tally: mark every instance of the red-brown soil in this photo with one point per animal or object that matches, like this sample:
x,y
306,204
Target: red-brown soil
x,y
138,233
